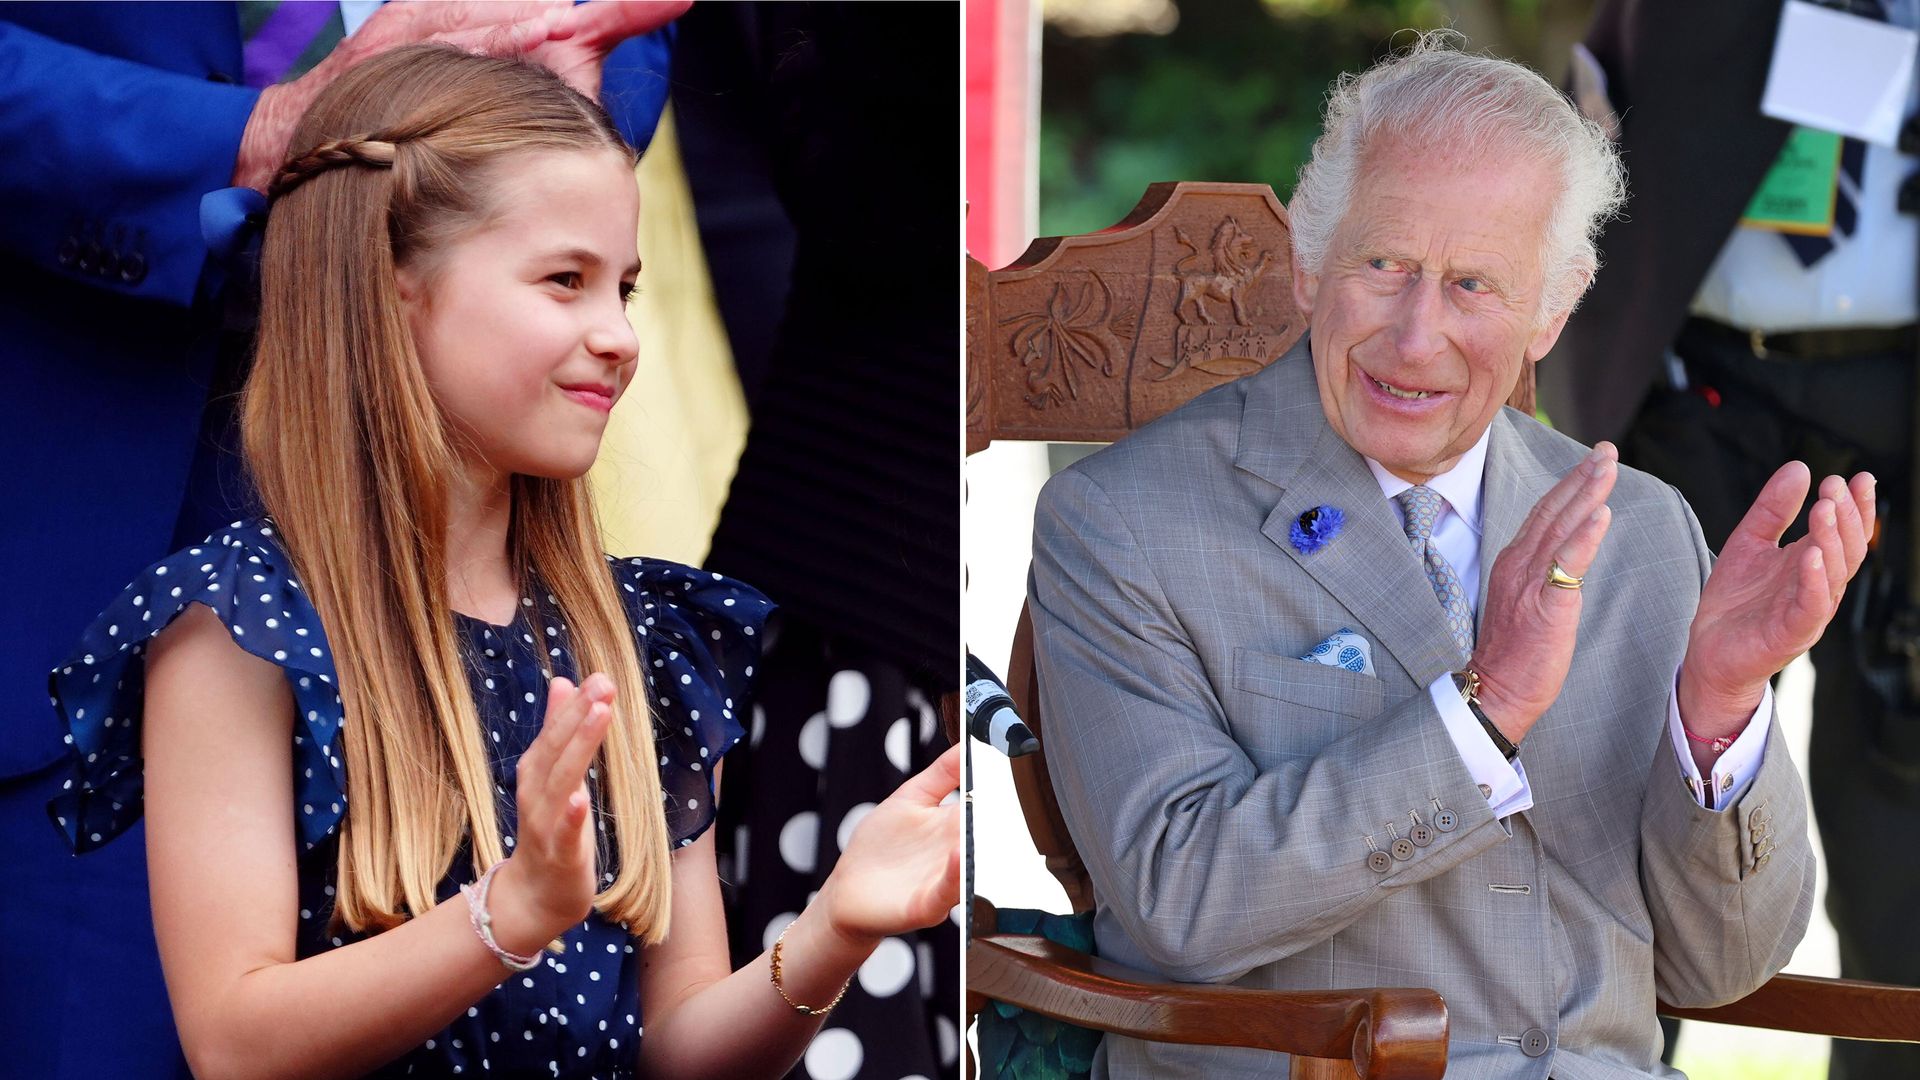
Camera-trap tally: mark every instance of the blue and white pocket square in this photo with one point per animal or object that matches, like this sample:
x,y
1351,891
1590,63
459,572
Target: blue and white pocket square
x,y
1345,649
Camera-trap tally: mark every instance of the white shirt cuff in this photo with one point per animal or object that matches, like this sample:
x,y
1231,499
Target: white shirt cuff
x,y
1503,781
1737,765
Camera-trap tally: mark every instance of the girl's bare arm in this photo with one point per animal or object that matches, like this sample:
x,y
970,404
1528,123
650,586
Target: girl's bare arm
x,y
703,1018
221,855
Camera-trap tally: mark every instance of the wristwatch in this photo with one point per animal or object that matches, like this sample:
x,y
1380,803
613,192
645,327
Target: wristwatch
x,y
1469,683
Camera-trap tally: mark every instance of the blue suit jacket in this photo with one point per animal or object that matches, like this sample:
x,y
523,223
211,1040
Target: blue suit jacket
x,y
116,120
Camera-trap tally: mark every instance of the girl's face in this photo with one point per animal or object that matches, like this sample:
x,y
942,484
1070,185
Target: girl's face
x,y
521,323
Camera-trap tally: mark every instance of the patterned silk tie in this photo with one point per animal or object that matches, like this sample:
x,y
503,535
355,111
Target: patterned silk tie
x,y
1423,505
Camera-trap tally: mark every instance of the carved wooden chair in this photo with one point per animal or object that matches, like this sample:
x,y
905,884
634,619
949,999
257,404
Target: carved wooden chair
x,y
1083,339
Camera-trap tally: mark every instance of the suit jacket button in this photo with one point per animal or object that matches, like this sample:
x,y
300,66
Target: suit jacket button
x,y
109,265
1402,849
1378,862
69,251
1421,835
1446,821
89,257
1534,1042
133,269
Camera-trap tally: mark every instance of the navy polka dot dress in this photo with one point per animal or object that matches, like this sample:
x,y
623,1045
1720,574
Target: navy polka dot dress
x,y
576,1015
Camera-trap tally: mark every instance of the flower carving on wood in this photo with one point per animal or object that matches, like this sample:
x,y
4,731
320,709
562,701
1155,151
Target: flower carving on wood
x,y
1062,338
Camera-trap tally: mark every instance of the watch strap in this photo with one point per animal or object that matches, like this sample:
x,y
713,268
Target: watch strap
x,y
1469,683
1500,741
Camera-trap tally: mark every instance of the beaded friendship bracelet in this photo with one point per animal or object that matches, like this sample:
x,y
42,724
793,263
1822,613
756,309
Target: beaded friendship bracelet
x,y
804,1010
482,921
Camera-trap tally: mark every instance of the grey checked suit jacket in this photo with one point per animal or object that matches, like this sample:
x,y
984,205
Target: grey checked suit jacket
x,y
1221,791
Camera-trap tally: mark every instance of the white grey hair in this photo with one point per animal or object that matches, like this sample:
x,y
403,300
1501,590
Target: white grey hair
x,y
1442,97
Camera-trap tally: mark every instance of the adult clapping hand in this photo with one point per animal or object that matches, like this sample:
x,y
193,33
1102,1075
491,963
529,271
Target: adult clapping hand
x,y
1764,604
1528,630
1761,606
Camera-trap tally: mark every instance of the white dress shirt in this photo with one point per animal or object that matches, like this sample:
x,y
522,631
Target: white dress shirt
x,y
1757,283
1457,534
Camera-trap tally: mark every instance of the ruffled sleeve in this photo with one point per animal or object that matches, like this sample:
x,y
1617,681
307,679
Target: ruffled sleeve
x,y
244,577
700,635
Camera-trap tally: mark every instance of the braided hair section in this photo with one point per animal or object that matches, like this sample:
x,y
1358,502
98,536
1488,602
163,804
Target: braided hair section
x,y
352,150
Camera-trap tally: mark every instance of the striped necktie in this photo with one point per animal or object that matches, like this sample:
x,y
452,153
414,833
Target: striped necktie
x,y
285,39
1423,505
1853,159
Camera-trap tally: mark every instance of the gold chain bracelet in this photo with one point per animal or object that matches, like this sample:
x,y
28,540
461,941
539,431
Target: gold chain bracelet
x,y
804,1010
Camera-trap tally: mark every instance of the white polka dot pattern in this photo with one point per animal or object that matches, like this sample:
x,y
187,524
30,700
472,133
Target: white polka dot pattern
x,y
698,636
834,1054
242,574
698,628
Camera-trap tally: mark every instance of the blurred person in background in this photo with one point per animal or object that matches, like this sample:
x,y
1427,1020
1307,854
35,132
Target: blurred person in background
x,y
821,145
1725,336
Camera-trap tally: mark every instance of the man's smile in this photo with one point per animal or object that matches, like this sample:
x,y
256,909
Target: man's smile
x,y
1398,396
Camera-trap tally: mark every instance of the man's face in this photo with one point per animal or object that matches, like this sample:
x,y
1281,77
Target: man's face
x,y
1429,302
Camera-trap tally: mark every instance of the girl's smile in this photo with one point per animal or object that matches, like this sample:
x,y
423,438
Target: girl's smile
x,y
599,399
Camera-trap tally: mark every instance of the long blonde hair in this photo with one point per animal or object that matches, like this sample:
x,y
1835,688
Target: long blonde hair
x,y
350,453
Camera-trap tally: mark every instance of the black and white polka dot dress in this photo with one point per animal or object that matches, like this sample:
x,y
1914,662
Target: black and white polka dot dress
x,y
577,1015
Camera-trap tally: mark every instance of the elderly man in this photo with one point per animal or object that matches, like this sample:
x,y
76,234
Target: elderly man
x,y
1550,806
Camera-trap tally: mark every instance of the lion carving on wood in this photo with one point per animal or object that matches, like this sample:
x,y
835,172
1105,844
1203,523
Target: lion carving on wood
x,y
1235,269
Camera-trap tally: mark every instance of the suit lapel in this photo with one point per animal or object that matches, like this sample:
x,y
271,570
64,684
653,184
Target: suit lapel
x,y
1368,567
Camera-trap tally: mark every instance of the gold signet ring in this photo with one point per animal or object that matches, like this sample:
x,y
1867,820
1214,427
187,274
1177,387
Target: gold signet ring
x,y
1560,579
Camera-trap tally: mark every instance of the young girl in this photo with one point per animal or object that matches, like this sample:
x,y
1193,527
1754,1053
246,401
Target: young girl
x,y
427,778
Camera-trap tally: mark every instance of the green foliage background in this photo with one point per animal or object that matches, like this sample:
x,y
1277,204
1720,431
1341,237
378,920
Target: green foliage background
x,y
1234,92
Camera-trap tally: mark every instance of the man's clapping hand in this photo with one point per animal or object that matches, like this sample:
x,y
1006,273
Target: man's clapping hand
x,y
1764,604
1761,606
1528,627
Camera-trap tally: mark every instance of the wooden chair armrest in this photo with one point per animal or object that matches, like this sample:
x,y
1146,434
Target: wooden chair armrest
x,y
1393,1034
1843,1008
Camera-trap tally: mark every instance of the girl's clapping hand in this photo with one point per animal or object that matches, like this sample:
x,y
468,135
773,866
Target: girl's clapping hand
x,y
901,869
552,865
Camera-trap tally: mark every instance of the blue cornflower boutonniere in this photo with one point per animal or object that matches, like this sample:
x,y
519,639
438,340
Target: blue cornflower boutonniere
x,y
1314,528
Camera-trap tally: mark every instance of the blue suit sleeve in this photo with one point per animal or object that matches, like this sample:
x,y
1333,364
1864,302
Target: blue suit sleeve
x,y
106,162
634,83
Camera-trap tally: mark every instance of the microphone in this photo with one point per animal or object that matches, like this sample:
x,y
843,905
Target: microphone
x,y
990,714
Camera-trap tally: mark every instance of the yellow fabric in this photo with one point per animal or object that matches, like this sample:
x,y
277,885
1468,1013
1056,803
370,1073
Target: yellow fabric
x,y
673,441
